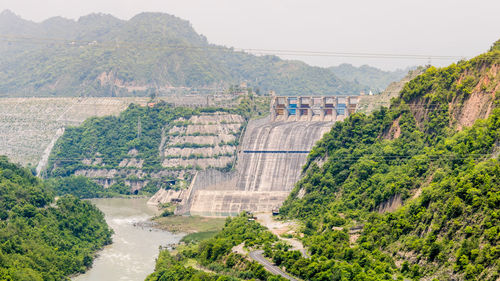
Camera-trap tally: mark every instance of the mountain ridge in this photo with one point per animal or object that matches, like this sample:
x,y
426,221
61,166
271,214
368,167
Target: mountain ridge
x,y
151,52
148,50
375,79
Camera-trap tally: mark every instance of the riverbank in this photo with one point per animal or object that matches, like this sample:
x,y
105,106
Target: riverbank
x,y
197,228
136,241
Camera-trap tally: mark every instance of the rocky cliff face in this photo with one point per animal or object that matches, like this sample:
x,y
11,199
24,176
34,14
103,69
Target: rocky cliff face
x,y
467,93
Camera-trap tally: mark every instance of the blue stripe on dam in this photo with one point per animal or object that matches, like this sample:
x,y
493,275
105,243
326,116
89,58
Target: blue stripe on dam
x,y
276,151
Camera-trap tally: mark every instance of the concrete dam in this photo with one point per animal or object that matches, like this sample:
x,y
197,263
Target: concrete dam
x,y
269,159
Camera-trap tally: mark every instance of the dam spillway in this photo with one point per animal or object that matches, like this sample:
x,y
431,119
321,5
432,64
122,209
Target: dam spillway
x,y
269,159
273,153
268,165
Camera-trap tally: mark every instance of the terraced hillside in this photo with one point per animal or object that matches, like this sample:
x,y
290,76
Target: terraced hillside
x,y
29,125
155,145
202,141
183,146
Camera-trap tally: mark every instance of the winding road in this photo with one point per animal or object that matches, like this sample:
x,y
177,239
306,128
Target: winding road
x,y
258,257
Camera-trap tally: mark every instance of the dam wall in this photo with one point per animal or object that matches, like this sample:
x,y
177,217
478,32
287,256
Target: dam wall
x,y
272,153
269,163
269,158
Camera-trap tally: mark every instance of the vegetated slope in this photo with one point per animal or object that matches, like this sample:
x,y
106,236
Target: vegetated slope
x,y
148,147
422,155
367,104
216,255
374,79
100,55
40,239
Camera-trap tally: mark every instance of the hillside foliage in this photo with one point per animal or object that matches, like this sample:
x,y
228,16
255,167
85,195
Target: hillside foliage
x,y
110,139
100,55
82,187
373,79
216,255
43,239
447,181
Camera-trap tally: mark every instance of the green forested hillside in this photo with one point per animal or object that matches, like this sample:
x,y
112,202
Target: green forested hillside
x,y
374,79
216,256
410,154
41,239
99,55
112,137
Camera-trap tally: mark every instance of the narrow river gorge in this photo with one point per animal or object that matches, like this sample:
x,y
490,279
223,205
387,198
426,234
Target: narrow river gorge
x,y
135,245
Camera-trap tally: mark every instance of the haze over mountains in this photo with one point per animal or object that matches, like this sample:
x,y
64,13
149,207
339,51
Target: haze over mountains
x,y
100,55
377,80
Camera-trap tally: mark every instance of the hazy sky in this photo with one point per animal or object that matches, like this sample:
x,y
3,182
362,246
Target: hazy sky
x,y
461,28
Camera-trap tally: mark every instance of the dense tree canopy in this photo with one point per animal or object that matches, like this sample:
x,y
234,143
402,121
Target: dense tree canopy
x,y
410,154
215,255
41,239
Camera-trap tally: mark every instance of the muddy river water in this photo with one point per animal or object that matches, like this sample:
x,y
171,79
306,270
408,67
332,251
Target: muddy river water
x,y
135,245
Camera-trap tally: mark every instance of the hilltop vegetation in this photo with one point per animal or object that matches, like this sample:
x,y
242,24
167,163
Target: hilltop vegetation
x,y
373,79
100,55
41,239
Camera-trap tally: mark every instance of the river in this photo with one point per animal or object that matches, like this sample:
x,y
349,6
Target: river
x,y
135,247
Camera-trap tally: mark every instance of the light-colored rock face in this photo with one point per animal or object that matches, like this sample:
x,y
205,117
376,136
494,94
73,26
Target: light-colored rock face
x,y
202,163
202,140
132,162
205,151
219,118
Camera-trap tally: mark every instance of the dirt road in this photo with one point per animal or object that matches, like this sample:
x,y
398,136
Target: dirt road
x,y
278,228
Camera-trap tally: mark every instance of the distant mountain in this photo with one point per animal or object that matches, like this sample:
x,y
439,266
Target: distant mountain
x,y
372,78
100,55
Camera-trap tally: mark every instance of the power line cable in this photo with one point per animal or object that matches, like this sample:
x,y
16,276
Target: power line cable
x,y
157,46
343,156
